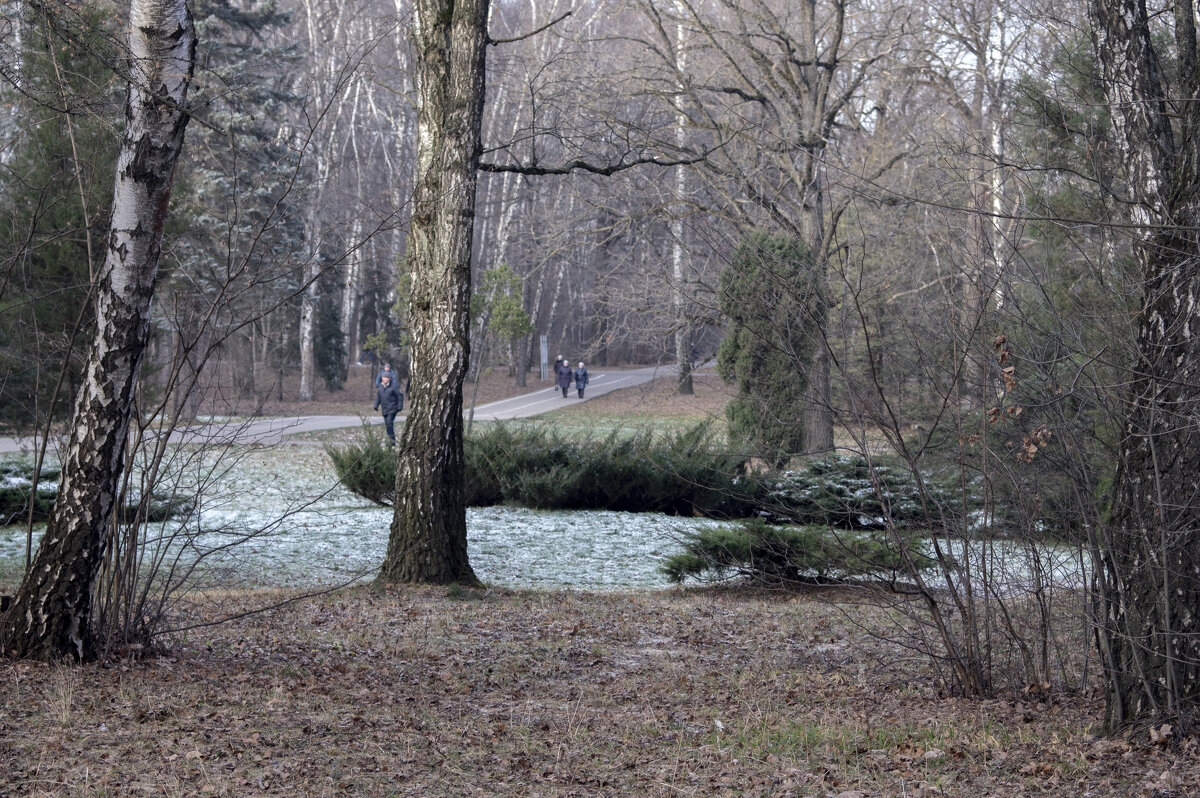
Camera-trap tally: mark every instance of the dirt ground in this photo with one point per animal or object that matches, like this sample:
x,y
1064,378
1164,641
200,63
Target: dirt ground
x,y
436,692
451,692
661,399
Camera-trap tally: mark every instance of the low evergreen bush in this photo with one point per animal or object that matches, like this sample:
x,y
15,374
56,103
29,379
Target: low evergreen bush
x,y
849,493
157,508
16,480
534,466
772,554
367,468
679,474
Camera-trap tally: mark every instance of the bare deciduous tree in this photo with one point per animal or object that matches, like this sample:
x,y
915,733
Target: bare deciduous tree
x,y
1151,557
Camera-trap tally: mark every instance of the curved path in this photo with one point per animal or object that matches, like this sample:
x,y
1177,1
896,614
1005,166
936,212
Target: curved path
x,y
270,431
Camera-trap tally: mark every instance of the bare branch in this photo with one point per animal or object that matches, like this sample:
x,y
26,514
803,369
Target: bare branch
x,y
492,42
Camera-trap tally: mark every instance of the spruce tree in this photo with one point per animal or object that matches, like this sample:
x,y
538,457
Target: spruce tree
x,y
330,343
56,190
771,295
242,231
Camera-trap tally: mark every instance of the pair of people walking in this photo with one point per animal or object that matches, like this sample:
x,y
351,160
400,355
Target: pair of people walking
x,y
563,375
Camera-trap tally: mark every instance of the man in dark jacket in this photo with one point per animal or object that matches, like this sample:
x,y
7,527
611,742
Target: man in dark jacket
x,y
389,401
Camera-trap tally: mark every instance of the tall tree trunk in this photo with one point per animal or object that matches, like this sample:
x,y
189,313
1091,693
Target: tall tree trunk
x,y
683,330
522,357
352,294
308,320
306,333
51,615
683,343
428,541
1150,629
818,417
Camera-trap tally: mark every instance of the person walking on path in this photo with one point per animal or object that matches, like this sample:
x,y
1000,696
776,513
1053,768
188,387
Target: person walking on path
x,y
389,401
386,372
558,364
581,379
564,377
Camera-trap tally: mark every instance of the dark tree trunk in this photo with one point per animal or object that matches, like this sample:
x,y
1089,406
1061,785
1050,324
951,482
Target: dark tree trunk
x,y
818,425
522,362
51,614
428,541
1150,551
683,360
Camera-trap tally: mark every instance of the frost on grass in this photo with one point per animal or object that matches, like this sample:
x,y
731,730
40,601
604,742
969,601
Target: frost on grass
x,y
278,518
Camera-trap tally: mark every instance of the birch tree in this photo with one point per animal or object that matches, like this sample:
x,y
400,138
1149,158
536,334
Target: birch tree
x,y
428,541
1151,549
51,614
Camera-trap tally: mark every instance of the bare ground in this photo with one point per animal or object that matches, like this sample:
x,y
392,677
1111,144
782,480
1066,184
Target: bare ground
x,y
444,692
435,692
660,398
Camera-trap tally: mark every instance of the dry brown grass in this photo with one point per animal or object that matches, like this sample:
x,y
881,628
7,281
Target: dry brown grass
x,y
429,692
435,692
660,399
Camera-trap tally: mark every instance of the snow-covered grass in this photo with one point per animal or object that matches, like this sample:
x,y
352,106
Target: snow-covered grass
x,y
294,526
277,517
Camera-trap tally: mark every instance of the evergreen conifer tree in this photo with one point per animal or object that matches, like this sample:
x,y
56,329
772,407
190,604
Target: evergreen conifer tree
x,y
330,343
56,188
771,295
242,233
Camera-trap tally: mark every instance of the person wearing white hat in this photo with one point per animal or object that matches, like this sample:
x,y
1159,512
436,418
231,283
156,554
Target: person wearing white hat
x,y
581,378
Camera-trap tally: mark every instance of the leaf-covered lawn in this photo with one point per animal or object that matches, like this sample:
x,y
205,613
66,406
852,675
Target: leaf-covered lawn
x,y
438,692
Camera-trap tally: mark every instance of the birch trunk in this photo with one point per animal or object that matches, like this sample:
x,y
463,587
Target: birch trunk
x,y
1150,551
352,293
51,614
683,346
428,541
308,316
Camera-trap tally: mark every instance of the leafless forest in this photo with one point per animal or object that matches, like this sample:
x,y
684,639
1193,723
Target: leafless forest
x,y
941,162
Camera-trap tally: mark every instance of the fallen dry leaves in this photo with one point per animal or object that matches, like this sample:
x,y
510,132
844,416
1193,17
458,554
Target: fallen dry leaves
x,y
440,693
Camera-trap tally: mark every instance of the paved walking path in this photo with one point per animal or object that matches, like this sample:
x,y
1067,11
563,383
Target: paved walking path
x,y
270,431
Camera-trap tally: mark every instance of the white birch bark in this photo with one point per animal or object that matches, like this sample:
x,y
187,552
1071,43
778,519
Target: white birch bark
x,y
51,616
683,355
428,541
1150,548
321,32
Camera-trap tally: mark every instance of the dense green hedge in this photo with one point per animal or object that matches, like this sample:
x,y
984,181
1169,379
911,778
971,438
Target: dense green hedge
x,y
16,475
775,554
682,474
